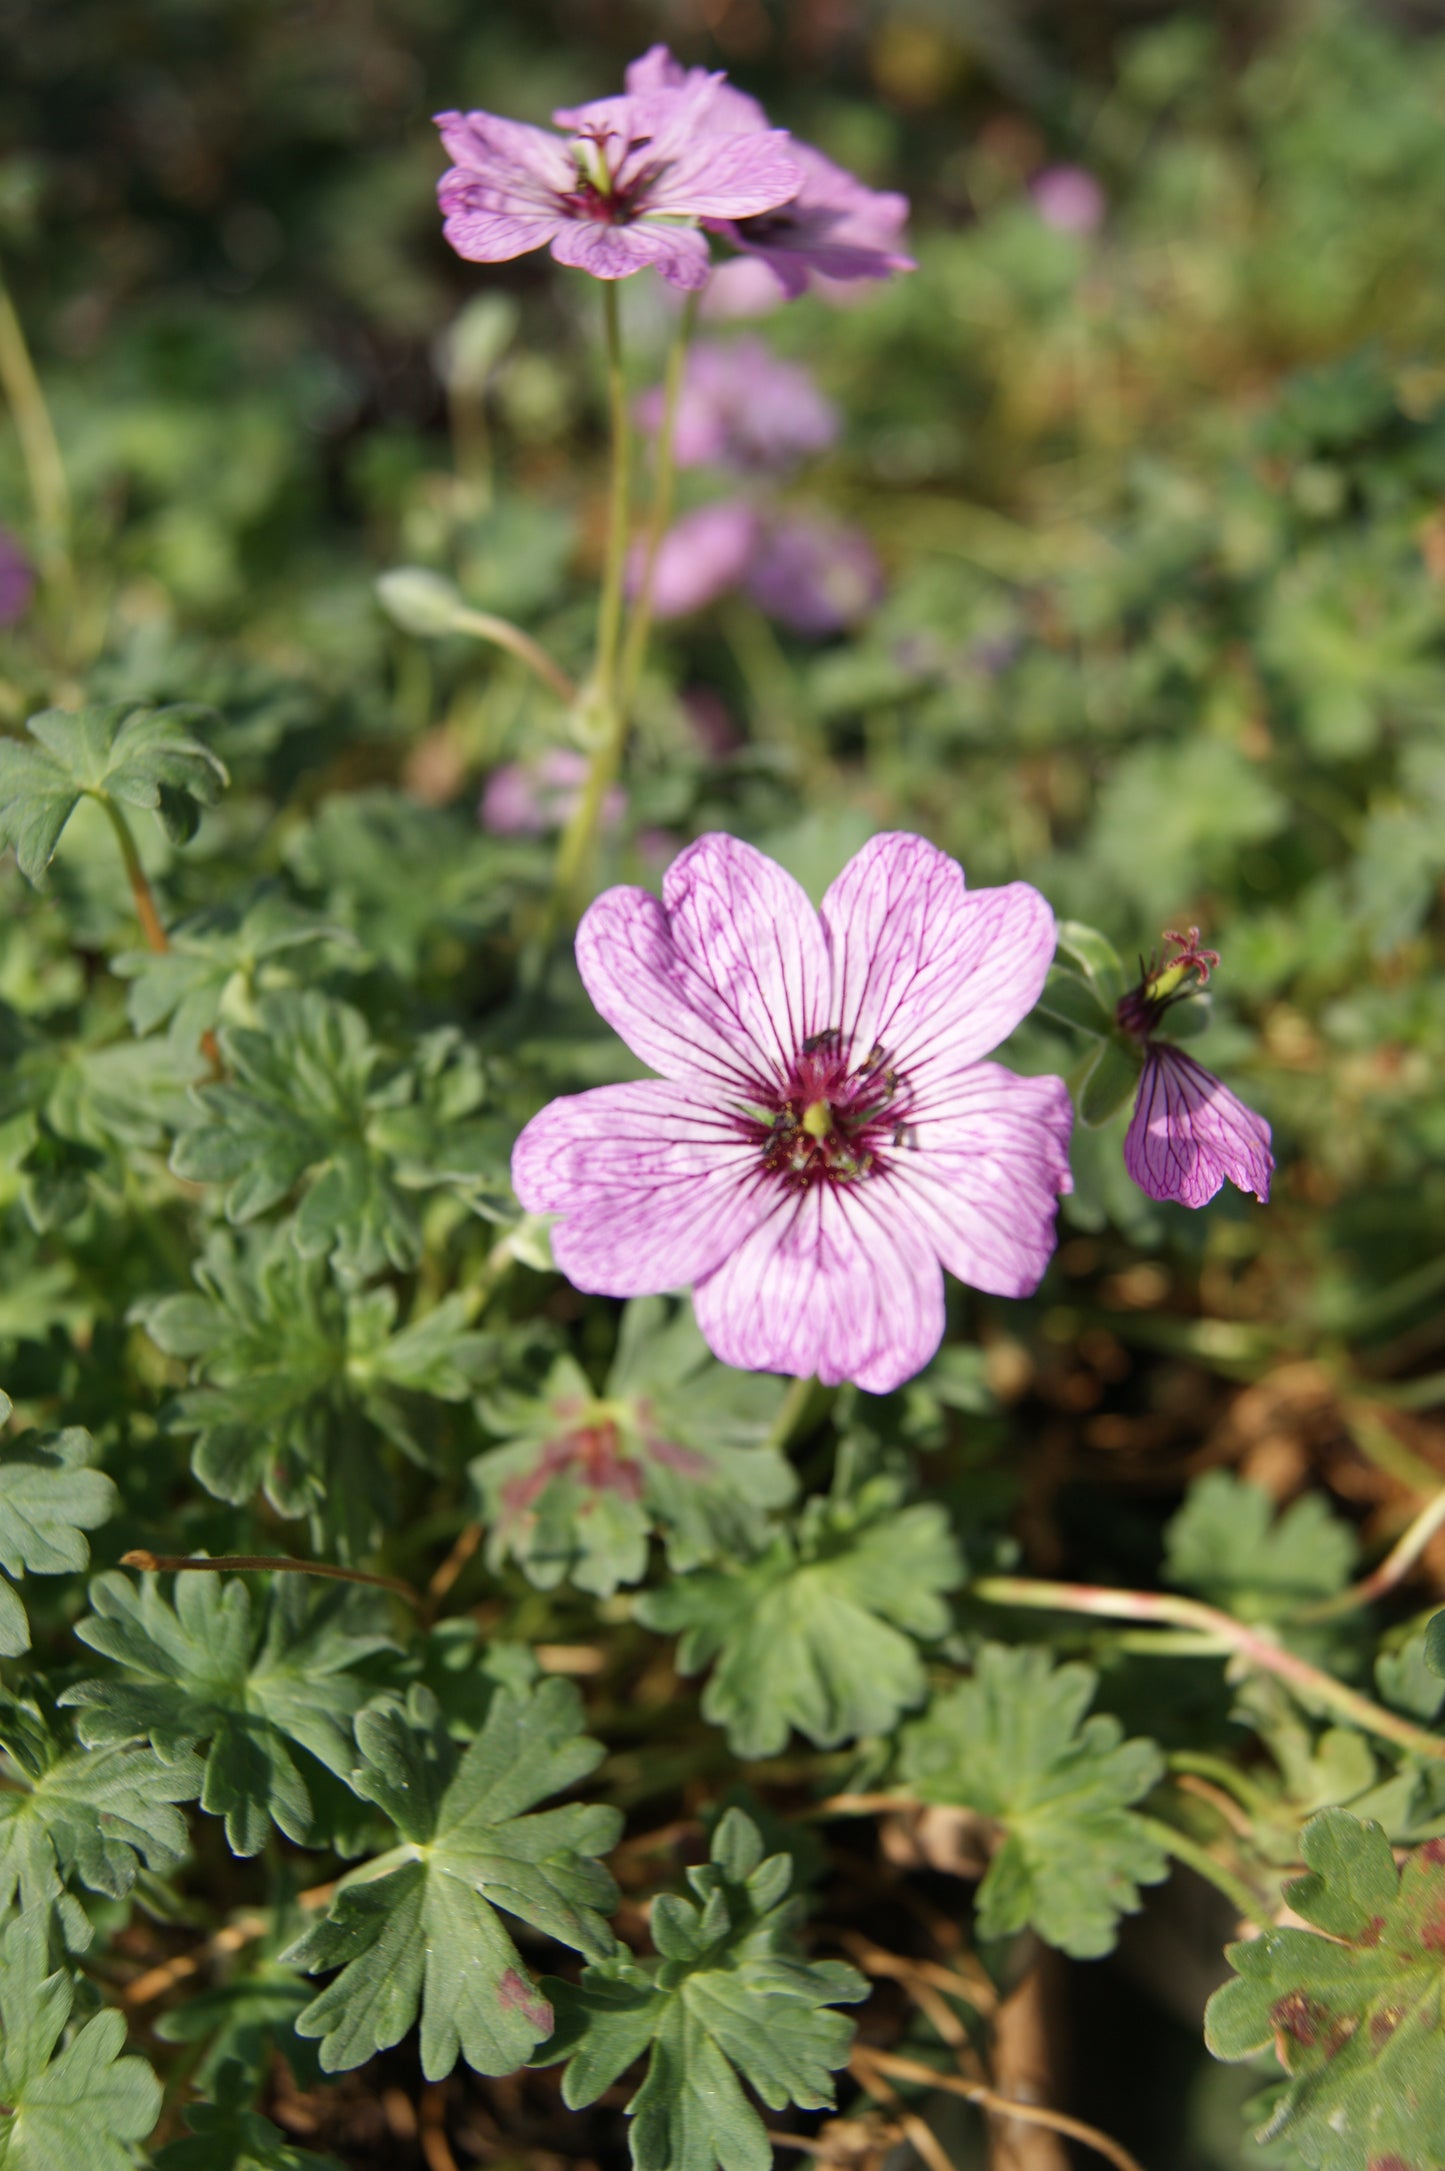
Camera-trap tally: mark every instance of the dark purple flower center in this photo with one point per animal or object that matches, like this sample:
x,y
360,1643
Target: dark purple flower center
x,y
776,229
613,182
834,1120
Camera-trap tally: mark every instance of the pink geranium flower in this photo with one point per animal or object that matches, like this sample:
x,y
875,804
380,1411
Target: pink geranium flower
x,y
814,576
824,1138
703,555
832,228
1188,1133
530,798
743,407
1069,198
620,191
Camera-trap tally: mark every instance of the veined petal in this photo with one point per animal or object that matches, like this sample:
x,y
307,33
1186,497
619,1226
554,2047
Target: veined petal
x,y
530,164
934,973
832,1283
669,1014
983,1173
654,1190
679,253
748,929
491,237
1188,1133
727,176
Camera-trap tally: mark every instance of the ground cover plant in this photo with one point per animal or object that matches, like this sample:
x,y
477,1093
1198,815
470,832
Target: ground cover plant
x,y
721,1133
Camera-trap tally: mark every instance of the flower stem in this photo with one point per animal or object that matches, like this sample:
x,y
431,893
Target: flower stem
x,y
635,647
1313,1687
1393,1569
263,1564
484,626
575,848
44,469
1202,1862
152,926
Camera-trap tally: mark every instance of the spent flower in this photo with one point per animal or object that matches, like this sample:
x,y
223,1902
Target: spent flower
x,y
1188,1132
825,1137
620,190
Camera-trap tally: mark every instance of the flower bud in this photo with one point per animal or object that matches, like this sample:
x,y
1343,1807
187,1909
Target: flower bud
x,y
420,602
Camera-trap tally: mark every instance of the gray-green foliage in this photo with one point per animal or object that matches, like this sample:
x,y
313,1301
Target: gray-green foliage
x,y
256,1682
1055,1788
73,2106
822,1631
135,757
50,1496
420,1925
730,2004
675,1443
1230,1544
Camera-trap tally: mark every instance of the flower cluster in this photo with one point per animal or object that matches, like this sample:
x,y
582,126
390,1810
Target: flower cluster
x,y
825,1136
639,181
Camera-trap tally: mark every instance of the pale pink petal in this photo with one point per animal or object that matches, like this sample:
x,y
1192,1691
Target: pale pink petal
x,y
982,1173
528,163
668,1012
678,253
493,237
934,974
656,70
835,1283
654,1188
748,929
1189,1133
702,556
727,177
744,287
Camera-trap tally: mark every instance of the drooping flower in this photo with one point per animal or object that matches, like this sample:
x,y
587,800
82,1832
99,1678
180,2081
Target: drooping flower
x,y
825,1137
17,580
531,798
833,229
743,407
1068,198
1188,1132
620,191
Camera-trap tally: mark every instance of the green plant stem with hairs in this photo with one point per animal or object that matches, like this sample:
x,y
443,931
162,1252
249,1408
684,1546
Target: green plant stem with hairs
x,y
634,650
44,468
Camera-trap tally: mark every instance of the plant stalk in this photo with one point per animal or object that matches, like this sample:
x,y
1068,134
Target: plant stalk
x,y
1246,1903
263,1564
1313,1687
484,626
44,468
635,648
1393,1569
152,925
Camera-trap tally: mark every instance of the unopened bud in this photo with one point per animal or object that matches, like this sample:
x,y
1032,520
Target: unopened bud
x,y
420,602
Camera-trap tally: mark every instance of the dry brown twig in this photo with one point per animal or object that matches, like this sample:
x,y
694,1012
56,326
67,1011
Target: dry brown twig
x,y
997,2106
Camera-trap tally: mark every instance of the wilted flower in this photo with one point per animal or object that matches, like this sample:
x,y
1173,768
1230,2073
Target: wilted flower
x,y
610,195
1188,1132
824,1137
815,576
531,798
742,406
831,229
17,580
1069,199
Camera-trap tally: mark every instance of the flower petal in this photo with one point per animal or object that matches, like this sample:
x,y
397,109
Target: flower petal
x,y
486,236
727,176
828,1285
654,1191
679,253
934,973
1188,1133
748,929
982,1174
701,557
669,1014
529,164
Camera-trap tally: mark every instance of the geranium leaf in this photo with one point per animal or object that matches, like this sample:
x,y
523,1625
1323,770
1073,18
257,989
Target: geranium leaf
x,y
819,1634
1013,1745
81,2108
256,1682
1228,1543
421,1926
135,757
1353,2005
730,2005
49,1498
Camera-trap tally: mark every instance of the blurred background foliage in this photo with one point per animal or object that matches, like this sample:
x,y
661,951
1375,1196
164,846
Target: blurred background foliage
x,y
1160,502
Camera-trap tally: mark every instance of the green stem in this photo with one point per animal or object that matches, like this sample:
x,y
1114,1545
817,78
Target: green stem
x,y
1393,1569
575,848
152,925
1224,1774
635,648
1314,1688
483,626
1203,1863
44,469
797,1409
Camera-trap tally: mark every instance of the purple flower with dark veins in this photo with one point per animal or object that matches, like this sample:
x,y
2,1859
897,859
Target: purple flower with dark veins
x,y
622,190
825,1137
831,231
1188,1132
743,407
